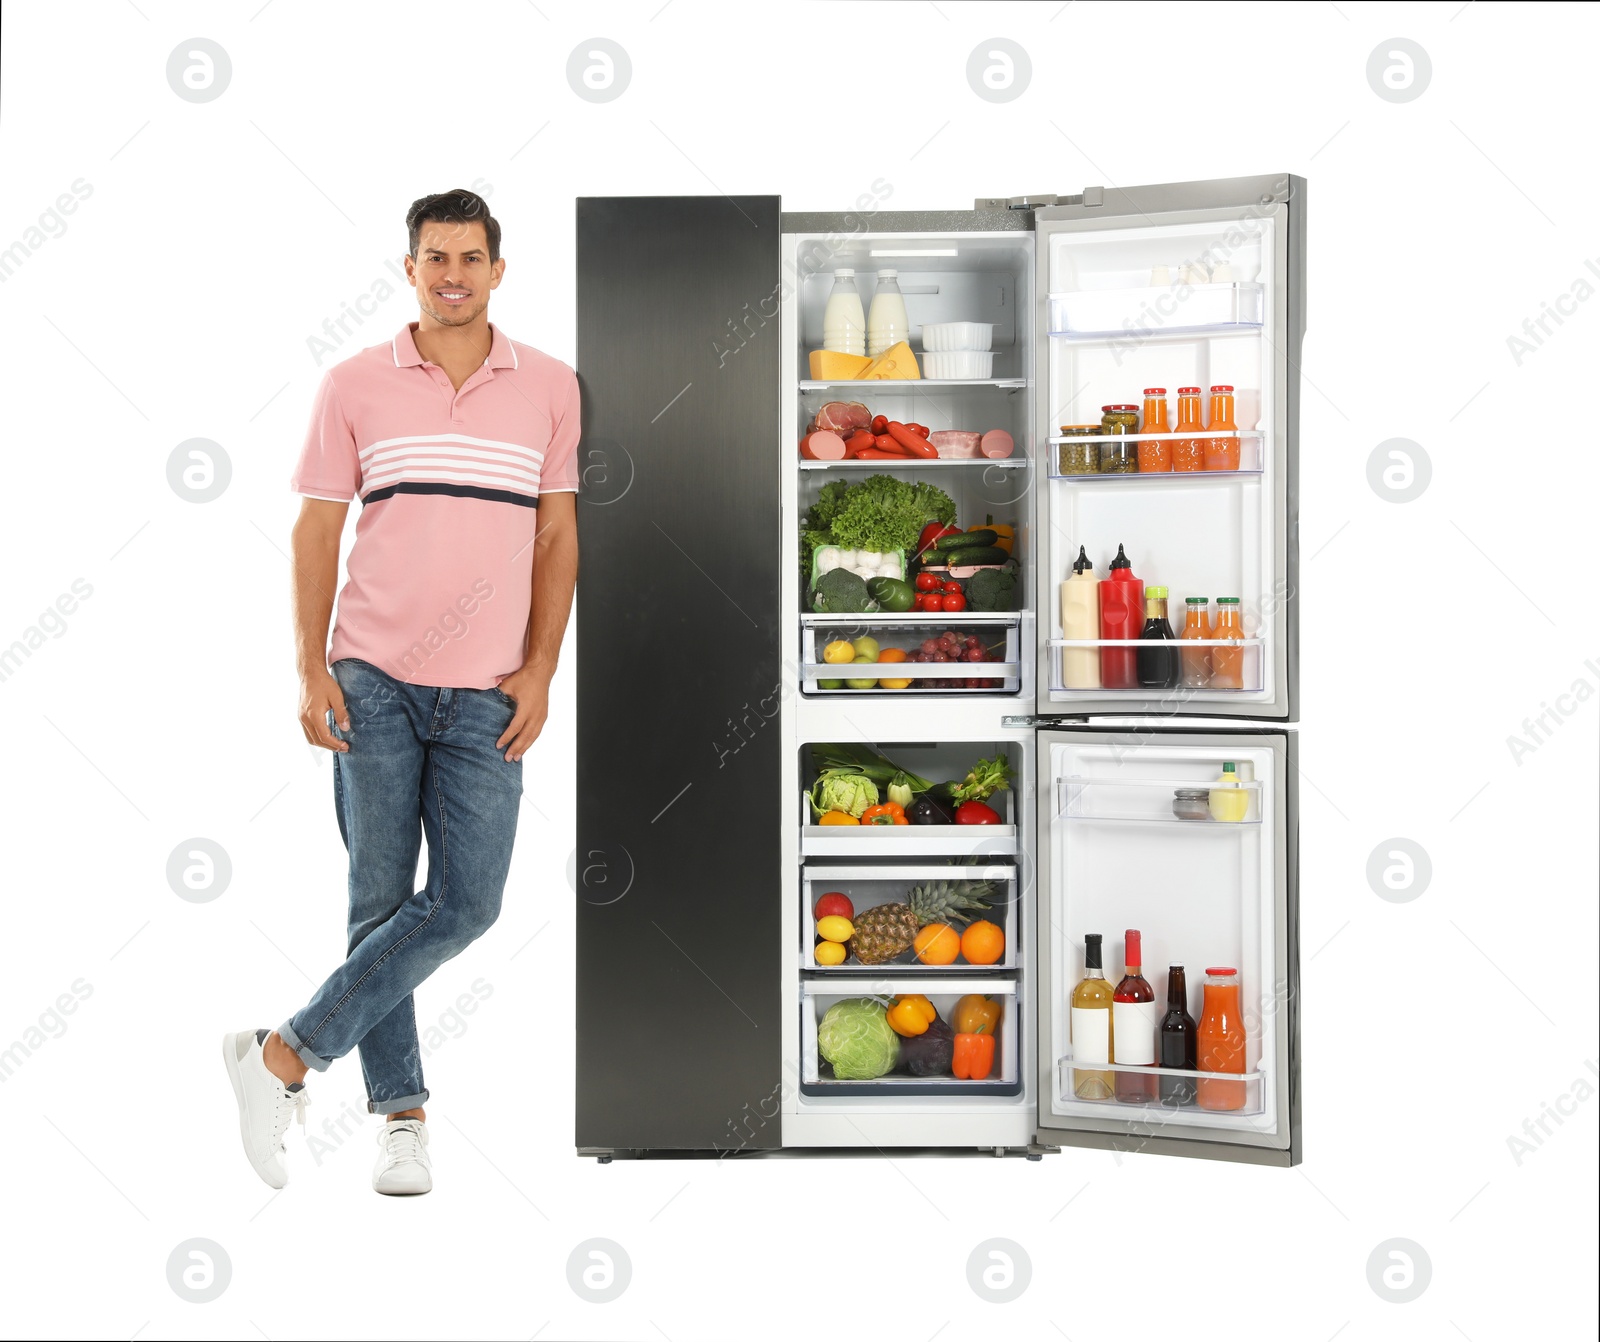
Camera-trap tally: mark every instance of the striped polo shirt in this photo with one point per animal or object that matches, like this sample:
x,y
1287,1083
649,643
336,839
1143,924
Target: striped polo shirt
x,y
439,585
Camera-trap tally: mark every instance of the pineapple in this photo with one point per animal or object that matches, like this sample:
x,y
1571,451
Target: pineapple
x,y
887,931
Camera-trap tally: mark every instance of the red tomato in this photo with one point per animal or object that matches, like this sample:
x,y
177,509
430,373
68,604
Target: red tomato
x,y
953,601
880,424
951,586
929,582
933,601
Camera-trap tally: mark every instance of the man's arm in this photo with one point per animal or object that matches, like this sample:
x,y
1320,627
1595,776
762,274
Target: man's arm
x,y
555,575
315,546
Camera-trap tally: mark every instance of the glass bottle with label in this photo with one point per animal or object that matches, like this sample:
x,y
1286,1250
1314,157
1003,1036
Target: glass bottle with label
x,y
1227,663
1158,663
1091,1026
1222,454
1195,672
1133,1025
1155,456
1178,1041
1188,452
1220,1042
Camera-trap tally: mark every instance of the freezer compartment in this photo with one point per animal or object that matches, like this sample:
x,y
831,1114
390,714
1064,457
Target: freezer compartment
x,y
817,995
868,887
1201,893
998,639
1165,309
1208,1094
1064,666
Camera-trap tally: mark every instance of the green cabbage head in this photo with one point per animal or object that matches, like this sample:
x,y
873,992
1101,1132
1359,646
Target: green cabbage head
x,y
855,1036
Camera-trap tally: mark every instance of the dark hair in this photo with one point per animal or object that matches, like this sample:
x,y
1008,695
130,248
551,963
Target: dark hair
x,y
453,207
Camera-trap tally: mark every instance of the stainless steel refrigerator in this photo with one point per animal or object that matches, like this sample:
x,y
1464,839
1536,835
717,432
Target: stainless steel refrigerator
x,y
703,682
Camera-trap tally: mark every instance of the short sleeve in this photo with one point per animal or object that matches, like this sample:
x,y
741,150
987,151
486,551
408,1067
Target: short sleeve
x,y
559,473
329,467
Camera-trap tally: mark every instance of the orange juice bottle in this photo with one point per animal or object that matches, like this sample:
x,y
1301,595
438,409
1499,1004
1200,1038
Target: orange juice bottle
x,y
1155,456
1188,454
1220,1040
1196,661
1222,454
1227,664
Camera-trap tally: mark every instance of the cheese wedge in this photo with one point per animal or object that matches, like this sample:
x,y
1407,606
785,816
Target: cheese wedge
x,y
896,362
830,366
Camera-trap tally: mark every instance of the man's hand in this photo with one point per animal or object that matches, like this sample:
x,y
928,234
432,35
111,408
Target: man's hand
x,y
529,689
319,692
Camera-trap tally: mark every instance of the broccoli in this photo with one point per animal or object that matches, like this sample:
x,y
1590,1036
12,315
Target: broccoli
x,y
841,592
991,589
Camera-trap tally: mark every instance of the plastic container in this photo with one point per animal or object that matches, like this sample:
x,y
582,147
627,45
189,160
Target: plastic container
x,y
886,318
957,365
940,337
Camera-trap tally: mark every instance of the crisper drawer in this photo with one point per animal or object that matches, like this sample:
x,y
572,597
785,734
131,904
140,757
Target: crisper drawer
x,y
911,841
818,995
993,637
870,887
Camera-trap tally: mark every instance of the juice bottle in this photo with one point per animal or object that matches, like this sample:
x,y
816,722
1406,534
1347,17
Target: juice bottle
x,y
1080,619
1227,664
1222,454
1188,453
1155,456
1158,664
1220,1041
1121,616
1196,671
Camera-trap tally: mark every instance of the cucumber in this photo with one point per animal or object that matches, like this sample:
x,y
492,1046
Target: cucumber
x,y
966,540
977,555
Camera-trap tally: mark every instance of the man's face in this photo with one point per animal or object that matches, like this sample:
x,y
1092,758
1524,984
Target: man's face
x,y
452,273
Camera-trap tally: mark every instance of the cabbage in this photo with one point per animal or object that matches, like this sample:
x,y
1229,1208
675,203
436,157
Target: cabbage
x,y
844,790
855,1036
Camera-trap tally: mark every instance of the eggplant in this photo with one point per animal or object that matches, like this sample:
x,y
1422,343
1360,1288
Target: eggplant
x,y
929,810
929,1053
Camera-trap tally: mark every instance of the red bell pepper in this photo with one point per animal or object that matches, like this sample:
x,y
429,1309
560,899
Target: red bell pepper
x,y
976,813
973,1058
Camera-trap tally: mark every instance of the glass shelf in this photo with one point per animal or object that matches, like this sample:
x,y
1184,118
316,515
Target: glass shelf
x,y
1147,801
1172,312
1015,463
917,384
1248,1088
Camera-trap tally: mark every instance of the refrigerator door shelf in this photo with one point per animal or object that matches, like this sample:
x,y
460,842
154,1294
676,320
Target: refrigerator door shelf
x,y
1247,1088
1161,703
1123,800
903,841
1249,456
1002,677
868,887
1140,314
817,995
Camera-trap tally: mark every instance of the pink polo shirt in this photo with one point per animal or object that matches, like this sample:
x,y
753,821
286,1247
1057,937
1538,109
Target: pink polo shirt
x,y
440,579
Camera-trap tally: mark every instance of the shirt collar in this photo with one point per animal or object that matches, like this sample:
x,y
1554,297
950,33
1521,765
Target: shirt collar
x,y
406,355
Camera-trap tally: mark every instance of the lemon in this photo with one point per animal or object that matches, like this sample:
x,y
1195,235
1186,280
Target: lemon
x,y
830,953
839,651
835,928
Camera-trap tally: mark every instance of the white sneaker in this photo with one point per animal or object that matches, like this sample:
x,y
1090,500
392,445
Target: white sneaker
x,y
403,1168
265,1104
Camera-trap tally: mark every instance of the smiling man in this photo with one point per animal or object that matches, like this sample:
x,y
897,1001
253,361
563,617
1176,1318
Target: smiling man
x,y
461,446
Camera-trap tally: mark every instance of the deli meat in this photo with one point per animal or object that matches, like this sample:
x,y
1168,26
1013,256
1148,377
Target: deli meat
x,y
842,417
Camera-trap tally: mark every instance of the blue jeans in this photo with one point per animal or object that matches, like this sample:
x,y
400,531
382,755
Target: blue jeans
x,y
422,761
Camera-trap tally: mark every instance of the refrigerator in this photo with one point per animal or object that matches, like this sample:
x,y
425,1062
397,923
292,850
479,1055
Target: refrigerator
x,y
702,680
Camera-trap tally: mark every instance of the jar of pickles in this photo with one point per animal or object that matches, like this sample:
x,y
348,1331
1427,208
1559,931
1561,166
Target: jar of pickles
x,y
1118,456
1080,454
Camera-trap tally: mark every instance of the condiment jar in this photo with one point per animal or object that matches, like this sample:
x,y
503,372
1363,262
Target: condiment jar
x,y
1118,456
1192,803
1077,456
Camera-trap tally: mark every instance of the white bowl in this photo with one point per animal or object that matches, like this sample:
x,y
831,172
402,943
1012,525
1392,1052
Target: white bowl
x,y
939,337
950,365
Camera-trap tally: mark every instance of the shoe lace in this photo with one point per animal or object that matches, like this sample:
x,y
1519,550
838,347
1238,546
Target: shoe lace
x,y
291,1105
401,1142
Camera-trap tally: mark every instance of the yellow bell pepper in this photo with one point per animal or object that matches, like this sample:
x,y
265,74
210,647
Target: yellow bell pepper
x,y
838,818
911,1014
976,1014
1005,536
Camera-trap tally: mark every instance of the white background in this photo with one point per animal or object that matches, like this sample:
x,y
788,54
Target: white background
x,y
178,304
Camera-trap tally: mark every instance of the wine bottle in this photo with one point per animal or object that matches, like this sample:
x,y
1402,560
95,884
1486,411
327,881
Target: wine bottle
x,y
1133,1023
1091,1025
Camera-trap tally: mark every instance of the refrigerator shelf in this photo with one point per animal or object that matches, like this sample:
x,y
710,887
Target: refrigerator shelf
x,y
1143,314
1002,677
910,841
888,385
1248,1087
921,464
868,887
1145,801
954,619
818,994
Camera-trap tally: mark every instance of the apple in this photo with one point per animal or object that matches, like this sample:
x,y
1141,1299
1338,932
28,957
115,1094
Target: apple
x,y
863,660
866,648
833,903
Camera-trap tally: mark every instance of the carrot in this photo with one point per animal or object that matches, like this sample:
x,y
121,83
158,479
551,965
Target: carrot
x,y
913,445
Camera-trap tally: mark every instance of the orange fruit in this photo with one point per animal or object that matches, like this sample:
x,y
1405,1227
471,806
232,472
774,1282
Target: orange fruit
x,y
891,654
983,943
937,944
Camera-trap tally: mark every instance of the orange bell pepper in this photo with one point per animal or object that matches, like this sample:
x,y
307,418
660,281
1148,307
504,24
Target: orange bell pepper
x,y
911,1014
838,818
973,1058
885,813
976,1014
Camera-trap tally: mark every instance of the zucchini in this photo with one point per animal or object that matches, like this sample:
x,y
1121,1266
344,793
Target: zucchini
x,y
976,556
967,539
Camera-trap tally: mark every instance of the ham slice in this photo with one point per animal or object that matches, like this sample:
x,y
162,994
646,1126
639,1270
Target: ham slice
x,y
950,443
842,417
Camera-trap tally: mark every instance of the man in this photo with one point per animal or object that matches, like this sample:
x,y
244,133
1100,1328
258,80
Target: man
x,y
461,445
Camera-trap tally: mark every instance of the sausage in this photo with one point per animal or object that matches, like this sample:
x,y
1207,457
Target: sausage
x,y
997,443
857,441
913,445
823,445
873,454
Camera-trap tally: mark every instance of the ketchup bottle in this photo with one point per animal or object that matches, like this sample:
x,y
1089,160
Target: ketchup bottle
x,y
1121,616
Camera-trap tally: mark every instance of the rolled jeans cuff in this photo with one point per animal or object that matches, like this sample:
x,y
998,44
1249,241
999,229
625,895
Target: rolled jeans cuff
x,y
398,1106
311,1060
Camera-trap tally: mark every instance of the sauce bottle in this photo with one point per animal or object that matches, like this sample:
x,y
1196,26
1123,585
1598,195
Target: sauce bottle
x,y
1220,1040
1188,453
1195,671
1227,664
1156,456
1157,665
1229,802
1080,619
1222,454
1121,612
